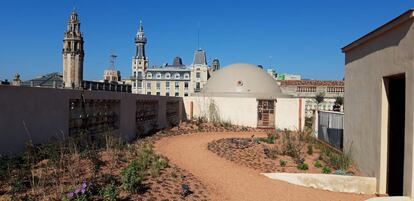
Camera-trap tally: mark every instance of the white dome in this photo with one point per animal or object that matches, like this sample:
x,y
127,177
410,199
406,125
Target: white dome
x,y
242,80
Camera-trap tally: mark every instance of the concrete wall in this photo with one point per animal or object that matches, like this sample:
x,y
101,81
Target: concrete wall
x,y
366,114
40,114
243,111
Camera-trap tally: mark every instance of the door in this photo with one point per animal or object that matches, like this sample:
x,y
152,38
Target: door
x,y
396,135
266,114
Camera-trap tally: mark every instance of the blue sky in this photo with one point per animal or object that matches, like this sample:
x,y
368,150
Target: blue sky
x,y
301,37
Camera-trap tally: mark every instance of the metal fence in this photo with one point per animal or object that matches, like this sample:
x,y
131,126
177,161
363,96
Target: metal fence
x,y
331,128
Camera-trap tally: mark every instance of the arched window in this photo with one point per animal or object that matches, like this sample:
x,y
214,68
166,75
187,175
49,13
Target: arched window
x,y
149,75
176,76
158,76
167,75
186,76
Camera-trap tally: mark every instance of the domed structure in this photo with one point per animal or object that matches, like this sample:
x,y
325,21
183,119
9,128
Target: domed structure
x,y
243,80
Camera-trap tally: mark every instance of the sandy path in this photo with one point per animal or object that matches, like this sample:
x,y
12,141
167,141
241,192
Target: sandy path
x,y
230,181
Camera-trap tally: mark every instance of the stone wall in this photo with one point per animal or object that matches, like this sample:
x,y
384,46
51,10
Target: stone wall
x,y
41,114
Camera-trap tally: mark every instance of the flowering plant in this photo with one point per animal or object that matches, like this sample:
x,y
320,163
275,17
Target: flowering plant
x,y
79,194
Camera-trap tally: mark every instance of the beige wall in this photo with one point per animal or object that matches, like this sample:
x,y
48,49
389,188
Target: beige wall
x,y
40,114
243,111
366,114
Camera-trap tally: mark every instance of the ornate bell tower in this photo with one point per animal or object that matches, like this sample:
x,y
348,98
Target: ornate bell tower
x,y
73,53
139,61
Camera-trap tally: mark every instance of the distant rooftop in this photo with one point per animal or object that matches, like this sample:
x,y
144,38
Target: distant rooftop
x,y
48,80
312,82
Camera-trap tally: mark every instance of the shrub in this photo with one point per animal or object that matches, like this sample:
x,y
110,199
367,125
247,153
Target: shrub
x,y
271,152
157,165
336,160
326,170
310,149
317,164
110,193
282,163
302,166
132,177
291,146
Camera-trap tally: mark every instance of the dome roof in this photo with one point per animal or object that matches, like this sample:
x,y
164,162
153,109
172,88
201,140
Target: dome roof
x,y
242,80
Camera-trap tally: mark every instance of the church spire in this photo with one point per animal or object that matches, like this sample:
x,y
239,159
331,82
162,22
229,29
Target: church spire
x,y
73,53
140,41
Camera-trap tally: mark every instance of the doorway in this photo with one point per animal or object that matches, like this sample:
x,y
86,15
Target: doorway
x,y
266,114
396,134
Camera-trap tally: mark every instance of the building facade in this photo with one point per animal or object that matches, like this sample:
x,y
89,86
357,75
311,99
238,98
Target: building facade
x,y
73,53
176,79
309,89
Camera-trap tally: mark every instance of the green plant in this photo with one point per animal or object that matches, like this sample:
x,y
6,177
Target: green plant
x,y
326,170
174,174
317,164
132,177
336,160
282,163
110,193
319,98
310,149
302,166
271,152
292,145
339,100
157,165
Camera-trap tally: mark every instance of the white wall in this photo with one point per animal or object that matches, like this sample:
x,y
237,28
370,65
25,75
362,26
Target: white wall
x,y
289,115
243,111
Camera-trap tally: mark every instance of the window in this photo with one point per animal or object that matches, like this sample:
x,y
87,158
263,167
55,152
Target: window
x,y
149,75
139,84
158,85
197,86
186,76
177,76
186,85
139,75
149,93
167,85
135,84
149,85
135,74
177,94
177,85
185,94
158,93
198,75
167,94
158,75
167,75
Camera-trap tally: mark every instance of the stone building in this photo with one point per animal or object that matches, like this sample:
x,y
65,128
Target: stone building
x,y
309,89
176,79
379,97
51,80
73,53
245,95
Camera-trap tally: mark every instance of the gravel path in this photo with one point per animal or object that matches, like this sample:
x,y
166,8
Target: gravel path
x,y
229,181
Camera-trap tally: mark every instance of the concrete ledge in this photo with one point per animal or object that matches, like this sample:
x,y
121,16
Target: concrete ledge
x,y
330,182
395,198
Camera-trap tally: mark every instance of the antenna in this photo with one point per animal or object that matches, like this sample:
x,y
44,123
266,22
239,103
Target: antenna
x,y
112,59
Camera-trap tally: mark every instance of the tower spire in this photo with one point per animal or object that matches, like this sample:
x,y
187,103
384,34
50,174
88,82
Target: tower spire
x,y
73,53
140,41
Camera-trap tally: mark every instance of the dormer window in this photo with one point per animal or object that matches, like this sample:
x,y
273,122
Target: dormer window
x,y
149,75
177,76
186,76
167,75
158,75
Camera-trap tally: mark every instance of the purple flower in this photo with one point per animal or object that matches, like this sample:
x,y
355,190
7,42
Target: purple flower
x,y
77,190
83,191
70,195
84,184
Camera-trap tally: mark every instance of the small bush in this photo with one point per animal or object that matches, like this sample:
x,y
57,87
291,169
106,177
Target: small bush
x,y
302,166
271,152
326,170
132,177
310,149
282,163
317,164
110,193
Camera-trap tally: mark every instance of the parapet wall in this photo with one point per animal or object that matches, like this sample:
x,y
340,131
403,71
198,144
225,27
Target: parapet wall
x,y
41,114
